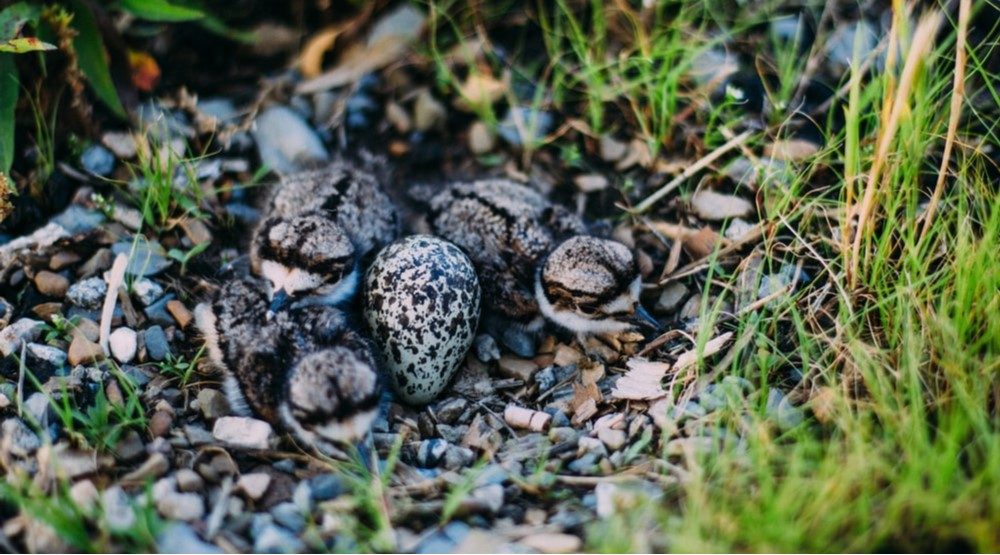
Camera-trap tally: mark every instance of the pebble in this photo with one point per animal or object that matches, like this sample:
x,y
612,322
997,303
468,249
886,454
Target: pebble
x,y
737,228
325,487
491,496
288,515
51,284
302,496
285,142
550,542
196,231
63,259
458,457
398,117
180,313
85,495
155,466
784,413
446,539
158,313
37,406
534,126
710,205
160,422
486,348
17,438
274,539
97,263
188,481
155,340
243,432
431,452
129,447
147,291
671,297
613,439
121,143
6,312
481,139
450,410
428,113
83,351
518,368
97,160
179,537
146,258
118,513
46,355
175,505
77,219
123,343
591,183
212,404
254,484
88,293
23,330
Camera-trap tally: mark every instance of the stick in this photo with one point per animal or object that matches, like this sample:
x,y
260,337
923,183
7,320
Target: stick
x,y
115,279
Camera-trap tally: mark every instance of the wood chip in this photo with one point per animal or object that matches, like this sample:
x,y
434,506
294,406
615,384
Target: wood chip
x,y
549,542
179,312
521,418
642,381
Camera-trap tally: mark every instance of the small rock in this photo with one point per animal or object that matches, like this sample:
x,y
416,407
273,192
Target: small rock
x,y
6,312
486,348
458,457
737,228
671,297
121,143
546,379
287,514
449,411
590,183
155,466
100,261
83,351
129,447
274,539
118,513
51,284
146,258
188,481
17,439
446,539
524,125
428,113
24,330
160,422
147,291
549,542
88,293
63,259
481,140
123,343
180,313
179,537
84,495
431,452
613,439
285,141
611,149
254,484
709,205
791,150
490,496
158,313
212,403
97,160
397,117
246,433
155,340
37,406
196,231
174,505
325,487
519,368
44,355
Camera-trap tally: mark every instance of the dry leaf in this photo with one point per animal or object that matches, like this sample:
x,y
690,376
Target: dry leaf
x,y
709,205
311,58
145,71
642,381
791,150
701,243
713,346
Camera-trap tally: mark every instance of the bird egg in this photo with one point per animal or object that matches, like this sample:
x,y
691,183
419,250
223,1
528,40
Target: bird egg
x,y
421,306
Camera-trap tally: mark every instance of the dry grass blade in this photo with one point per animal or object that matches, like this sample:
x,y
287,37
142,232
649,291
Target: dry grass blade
x,y
115,279
895,106
958,92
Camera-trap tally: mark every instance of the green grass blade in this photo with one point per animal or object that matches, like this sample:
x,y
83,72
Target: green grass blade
x,y
9,90
161,10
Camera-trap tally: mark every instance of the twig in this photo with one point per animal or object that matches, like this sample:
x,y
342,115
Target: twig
x,y
701,164
958,91
115,279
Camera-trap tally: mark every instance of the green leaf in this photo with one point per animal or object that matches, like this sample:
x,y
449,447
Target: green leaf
x,y
9,90
92,59
25,44
161,10
13,18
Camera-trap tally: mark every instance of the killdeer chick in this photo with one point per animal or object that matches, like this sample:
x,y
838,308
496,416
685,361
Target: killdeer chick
x,y
231,319
509,231
351,195
590,285
307,259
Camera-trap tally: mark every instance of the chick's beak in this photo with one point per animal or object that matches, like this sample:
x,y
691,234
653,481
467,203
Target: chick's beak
x,y
279,302
643,319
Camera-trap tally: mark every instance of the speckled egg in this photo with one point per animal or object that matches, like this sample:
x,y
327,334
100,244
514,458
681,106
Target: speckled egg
x,y
421,306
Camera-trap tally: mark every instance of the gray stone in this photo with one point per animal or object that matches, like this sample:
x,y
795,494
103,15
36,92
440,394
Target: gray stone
x,y
37,406
17,439
243,432
158,313
671,297
285,141
147,291
431,452
325,487
254,484
179,537
119,515
212,404
174,505
49,356
533,124
446,539
486,348
88,293
458,457
6,312
274,539
129,447
157,346
97,160
302,497
449,411
188,481
289,516
545,378
77,219
146,258
24,330
123,343
491,496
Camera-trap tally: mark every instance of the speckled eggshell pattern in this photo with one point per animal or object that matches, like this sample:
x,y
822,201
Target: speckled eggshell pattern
x,y
421,306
